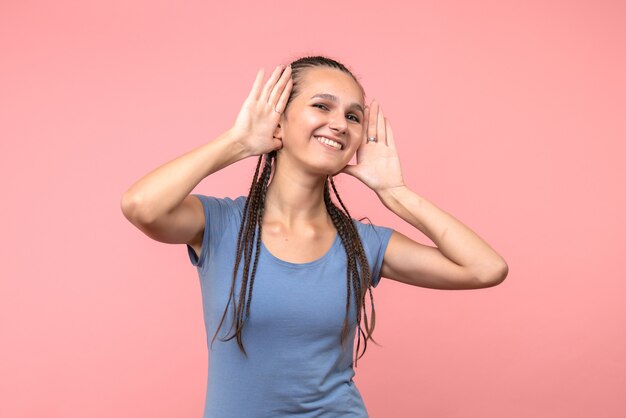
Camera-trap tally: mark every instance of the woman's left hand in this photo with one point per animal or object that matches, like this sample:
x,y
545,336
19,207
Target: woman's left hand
x,y
378,165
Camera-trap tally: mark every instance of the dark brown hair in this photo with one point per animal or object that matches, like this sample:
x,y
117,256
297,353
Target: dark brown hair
x,y
252,219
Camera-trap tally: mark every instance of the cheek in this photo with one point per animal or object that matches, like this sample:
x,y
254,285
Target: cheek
x,y
357,133
306,123
312,119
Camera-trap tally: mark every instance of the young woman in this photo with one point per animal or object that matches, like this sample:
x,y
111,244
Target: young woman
x,y
307,262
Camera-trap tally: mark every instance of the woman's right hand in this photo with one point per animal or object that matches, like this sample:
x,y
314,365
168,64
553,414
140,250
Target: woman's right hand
x,y
259,116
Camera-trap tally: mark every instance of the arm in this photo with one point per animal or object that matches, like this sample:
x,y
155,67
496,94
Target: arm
x,y
159,204
162,190
461,259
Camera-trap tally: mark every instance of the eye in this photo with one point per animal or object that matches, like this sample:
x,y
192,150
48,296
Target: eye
x,y
354,117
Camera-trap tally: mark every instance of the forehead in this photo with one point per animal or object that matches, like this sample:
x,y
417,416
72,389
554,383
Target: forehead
x,y
330,80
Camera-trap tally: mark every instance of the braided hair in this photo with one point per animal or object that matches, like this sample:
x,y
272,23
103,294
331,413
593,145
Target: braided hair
x,y
358,274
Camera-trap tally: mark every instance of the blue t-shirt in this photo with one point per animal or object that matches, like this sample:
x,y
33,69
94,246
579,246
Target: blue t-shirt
x,y
295,365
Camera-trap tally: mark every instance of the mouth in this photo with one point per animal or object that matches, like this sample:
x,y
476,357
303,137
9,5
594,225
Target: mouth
x,y
329,142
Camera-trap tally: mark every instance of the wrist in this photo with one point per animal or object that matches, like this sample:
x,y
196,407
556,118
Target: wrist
x,y
237,144
391,192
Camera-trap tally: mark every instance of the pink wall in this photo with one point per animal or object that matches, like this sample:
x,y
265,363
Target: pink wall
x,y
509,115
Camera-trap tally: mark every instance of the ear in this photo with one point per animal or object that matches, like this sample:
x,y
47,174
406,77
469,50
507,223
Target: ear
x,y
278,132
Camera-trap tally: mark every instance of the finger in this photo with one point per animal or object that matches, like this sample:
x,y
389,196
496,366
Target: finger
x,y
279,87
256,87
269,84
366,118
282,101
380,128
391,142
371,127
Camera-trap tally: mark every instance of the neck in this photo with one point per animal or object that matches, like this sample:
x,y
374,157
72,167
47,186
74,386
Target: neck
x,y
296,197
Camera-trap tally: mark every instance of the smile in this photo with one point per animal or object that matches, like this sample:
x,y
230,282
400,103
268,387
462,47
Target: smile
x,y
329,142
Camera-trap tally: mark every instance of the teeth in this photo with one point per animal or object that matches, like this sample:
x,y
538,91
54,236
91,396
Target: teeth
x,y
329,142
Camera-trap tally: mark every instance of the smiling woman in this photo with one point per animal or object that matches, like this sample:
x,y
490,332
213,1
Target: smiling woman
x,y
310,119
309,265
327,102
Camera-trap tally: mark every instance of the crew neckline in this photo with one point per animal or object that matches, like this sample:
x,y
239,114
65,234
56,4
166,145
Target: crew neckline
x,y
303,265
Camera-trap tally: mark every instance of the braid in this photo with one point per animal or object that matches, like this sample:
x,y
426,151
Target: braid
x,y
355,253
339,223
251,219
363,260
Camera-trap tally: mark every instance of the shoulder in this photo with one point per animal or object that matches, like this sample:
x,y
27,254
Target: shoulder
x,y
221,214
221,205
228,201
375,239
372,233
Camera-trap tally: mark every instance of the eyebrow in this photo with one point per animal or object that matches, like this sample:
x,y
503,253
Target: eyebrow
x,y
333,98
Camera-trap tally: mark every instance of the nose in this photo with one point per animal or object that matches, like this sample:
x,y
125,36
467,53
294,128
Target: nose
x,y
338,122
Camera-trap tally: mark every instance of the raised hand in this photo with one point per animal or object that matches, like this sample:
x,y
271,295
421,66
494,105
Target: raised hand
x,y
378,164
259,116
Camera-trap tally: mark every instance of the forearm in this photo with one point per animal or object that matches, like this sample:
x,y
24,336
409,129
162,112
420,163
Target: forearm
x,y
454,239
164,188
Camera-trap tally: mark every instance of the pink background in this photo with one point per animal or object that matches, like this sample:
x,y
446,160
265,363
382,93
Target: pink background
x,y
509,115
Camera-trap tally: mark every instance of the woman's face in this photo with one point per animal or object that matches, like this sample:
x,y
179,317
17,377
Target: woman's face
x,y
330,104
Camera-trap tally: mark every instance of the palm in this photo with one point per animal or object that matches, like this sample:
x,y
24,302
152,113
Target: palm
x,y
378,164
258,120
259,116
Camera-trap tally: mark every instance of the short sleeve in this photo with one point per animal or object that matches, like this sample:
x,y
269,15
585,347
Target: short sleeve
x,y
219,216
375,239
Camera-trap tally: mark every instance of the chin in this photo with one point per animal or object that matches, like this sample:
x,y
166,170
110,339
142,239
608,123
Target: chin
x,y
316,163
327,168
